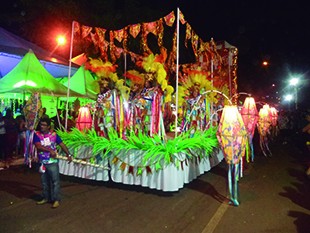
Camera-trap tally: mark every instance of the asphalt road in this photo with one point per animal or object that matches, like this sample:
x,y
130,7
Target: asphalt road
x,y
274,197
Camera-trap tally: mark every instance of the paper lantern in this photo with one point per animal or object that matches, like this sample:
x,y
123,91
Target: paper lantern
x,y
249,115
263,126
274,116
264,121
84,120
232,136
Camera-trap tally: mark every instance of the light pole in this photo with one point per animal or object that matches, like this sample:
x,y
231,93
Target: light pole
x,y
294,83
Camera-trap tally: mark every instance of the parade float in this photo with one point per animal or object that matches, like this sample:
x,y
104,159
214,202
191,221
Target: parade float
x,y
155,120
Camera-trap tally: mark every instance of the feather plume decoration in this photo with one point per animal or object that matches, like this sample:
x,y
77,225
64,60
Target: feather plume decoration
x,y
157,151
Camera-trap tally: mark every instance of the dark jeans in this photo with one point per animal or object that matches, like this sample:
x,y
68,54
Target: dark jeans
x,y
51,182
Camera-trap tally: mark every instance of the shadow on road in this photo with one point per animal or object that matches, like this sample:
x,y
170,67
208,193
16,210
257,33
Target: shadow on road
x,y
208,189
299,193
20,189
112,185
220,170
302,220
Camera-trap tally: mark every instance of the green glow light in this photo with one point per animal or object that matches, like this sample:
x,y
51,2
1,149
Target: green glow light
x,y
25,83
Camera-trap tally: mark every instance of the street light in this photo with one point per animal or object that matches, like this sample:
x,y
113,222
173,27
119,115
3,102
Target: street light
x,y
294,82
288,98
61,41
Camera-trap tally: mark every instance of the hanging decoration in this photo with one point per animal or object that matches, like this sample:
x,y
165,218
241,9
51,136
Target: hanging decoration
x,y
232,136
274,122
249,115
263,126
32,112
86,31
134,29
169,19
84,119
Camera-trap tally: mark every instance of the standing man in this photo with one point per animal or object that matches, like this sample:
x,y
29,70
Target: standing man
x,y
45,141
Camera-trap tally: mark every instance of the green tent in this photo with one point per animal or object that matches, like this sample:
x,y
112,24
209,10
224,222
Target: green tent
x,y
83,82
30,76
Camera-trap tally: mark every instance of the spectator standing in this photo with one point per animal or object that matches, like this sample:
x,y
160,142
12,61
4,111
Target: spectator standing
x,y
11,129
45,141
21,124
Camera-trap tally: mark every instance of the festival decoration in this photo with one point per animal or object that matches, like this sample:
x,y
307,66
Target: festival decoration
x,y
195,107
232,136
157,153
249,115
263,126
32,115
274,121
84,119
274,116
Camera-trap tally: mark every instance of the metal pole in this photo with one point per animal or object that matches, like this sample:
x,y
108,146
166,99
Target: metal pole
x,y
177,75
69,74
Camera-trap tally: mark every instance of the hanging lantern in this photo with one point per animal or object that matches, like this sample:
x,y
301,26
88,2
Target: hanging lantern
x,y
274,116
84,120
274,122
263,126
249,115
264,121
232,136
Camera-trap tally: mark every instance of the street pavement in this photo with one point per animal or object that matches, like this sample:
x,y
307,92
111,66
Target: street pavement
x,y
274,198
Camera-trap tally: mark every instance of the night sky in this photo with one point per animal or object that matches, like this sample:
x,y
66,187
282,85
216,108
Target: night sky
x,y
273,30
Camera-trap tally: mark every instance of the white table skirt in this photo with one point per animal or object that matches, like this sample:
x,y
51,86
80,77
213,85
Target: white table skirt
x,y
92,172
168,178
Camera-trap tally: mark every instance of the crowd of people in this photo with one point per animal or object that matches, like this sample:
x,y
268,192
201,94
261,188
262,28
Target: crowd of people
x,y
12,136
13,132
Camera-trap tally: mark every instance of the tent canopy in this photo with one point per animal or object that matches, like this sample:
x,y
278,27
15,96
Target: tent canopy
x,y
30,76
13,48
84,82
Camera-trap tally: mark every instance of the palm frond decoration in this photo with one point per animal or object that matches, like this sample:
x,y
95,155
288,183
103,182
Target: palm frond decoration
x,y
75,138
157,151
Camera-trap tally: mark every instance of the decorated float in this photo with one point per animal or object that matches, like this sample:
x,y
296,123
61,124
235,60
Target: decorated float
x,y
155,120
160,110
